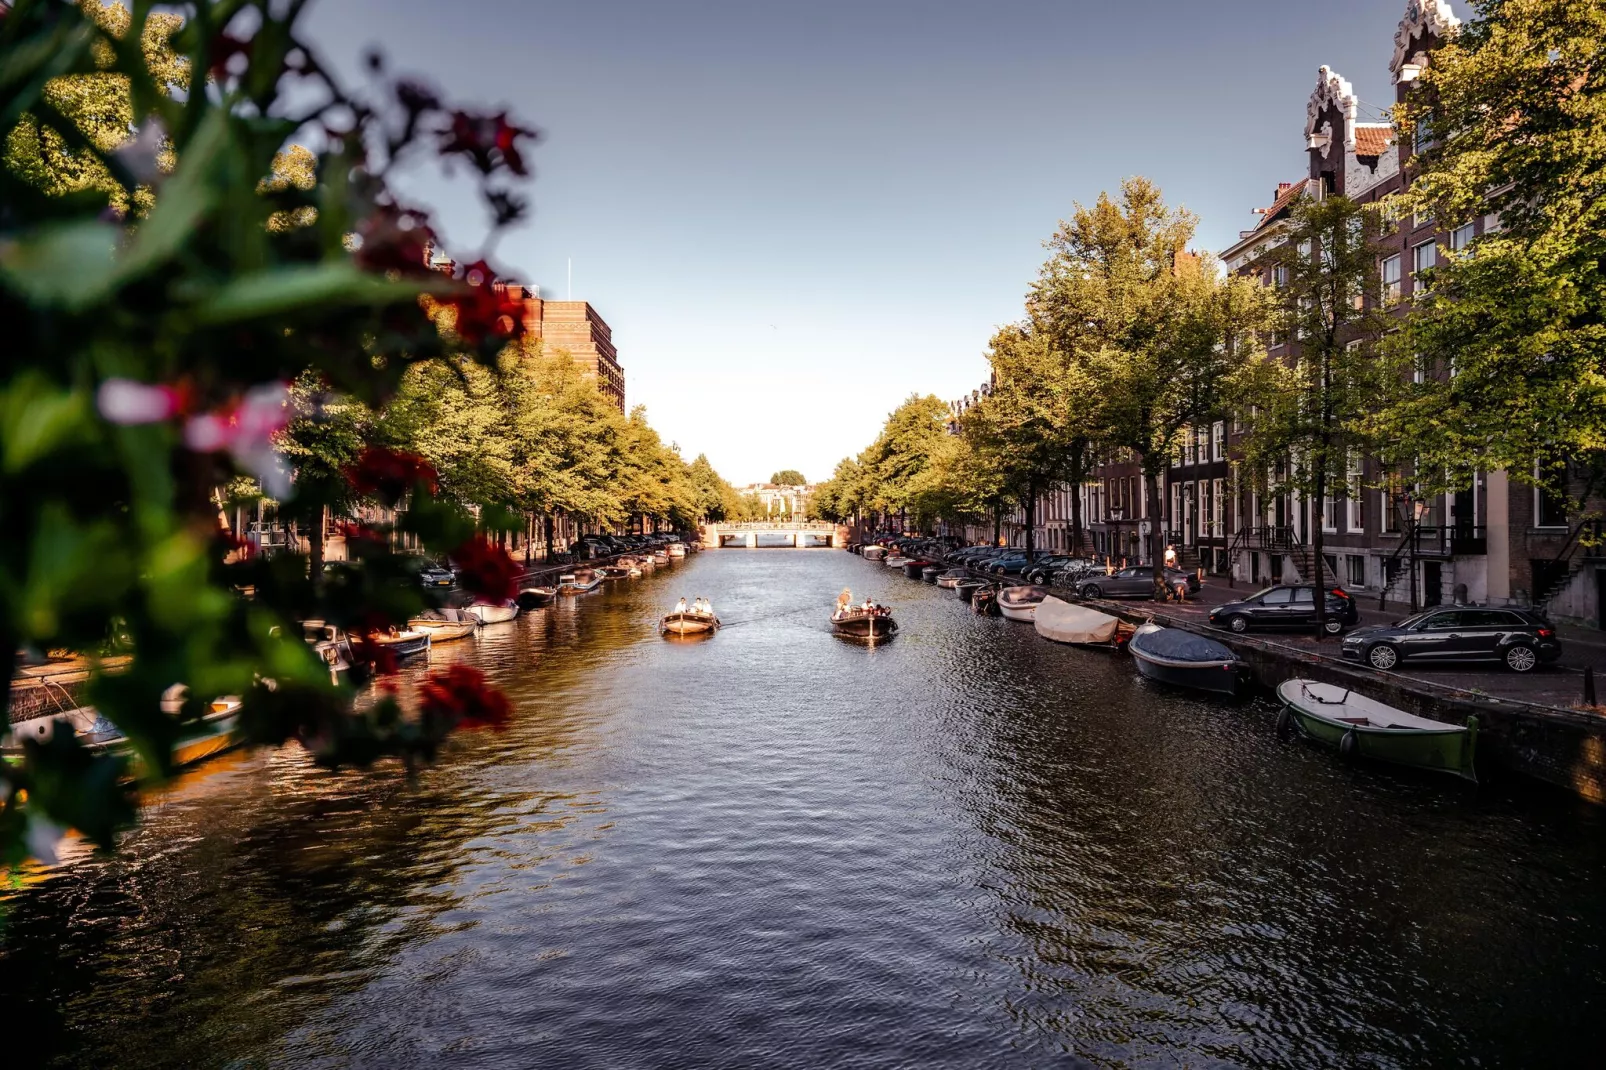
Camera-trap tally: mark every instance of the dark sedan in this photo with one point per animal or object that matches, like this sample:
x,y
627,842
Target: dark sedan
x,y
1519,639
1286,606
1045,565
1137,582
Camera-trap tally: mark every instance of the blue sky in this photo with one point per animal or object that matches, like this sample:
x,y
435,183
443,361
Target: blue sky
x,y
793,215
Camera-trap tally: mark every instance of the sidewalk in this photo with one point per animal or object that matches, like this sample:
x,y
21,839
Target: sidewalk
x,y
1558,685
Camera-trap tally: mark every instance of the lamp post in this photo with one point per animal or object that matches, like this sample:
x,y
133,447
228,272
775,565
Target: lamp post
x,y
1419,509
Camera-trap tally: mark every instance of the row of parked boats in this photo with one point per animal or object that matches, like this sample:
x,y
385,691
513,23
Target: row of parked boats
x,y
214,732
1357,725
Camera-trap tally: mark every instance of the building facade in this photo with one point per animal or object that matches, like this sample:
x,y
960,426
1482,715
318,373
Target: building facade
x,y
575,328
780,499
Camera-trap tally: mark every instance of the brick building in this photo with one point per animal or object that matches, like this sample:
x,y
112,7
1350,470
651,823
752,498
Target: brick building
x,y
574,327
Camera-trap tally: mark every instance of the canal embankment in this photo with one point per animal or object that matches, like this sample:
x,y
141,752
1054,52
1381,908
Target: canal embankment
x,y
1559,746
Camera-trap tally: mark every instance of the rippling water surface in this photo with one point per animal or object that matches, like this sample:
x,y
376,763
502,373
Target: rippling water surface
x,y
968,847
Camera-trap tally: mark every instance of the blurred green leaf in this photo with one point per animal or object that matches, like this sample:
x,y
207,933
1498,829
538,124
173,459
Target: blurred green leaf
x,y
69,265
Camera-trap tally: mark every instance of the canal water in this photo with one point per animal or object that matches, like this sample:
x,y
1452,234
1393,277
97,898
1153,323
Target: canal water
x,y
966,848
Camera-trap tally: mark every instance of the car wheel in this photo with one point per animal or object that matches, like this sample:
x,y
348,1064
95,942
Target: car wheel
x,y
1520,658
1332,626
1238,623
1382,656
1092,591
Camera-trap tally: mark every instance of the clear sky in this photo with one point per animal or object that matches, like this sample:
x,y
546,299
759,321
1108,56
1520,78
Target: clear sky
x,y
794,215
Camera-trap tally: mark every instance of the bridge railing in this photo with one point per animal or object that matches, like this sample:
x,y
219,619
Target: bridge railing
x,y
759,525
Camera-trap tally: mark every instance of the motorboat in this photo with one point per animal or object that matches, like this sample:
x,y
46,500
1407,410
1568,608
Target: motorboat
x,y
895,560
676,549
446,625
688,623
915,568
494,613
1021,602
874,553
401,643
1183,659
198,740
984,602
660,557
1362,727
578,582
950,579
620,572
862,622
1064,622
331,646
531,597
930,573
967,587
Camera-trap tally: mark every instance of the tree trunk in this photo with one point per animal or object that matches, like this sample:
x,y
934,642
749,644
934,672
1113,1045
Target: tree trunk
x,y
1076,519
1031,520
549,534
1318,584
1156,537
998,523
315,547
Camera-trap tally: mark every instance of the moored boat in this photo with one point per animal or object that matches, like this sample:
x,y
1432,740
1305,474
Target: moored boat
x,y
930,573
1362,727
531,597
619,572
676,549
198,740
659,557
404,643
915,567
1063,622
857,622
874,553
446,625
578,582
966,588
984,602
895,560
950,579
1021,602
1182,659
489,613
688,623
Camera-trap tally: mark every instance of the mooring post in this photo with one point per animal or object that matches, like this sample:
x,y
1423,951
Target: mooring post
x,y
1589,685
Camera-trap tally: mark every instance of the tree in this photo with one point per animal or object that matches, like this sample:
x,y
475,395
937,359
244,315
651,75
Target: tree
x,y
1026,430
322,442
1165,332
789,477
146,367
1510,120
1310,415
899,466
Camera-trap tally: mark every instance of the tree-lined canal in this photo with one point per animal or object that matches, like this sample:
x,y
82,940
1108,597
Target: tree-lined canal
x,y
966,848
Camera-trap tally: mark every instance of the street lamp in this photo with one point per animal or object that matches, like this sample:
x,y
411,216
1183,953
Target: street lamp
x,y
1419,509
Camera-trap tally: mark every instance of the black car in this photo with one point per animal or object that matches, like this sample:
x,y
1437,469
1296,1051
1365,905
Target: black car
x,y
1136,581
1520,639
1044,565
1287,606
436,576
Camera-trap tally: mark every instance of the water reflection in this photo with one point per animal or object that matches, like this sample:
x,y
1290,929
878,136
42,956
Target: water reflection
x,y
964,848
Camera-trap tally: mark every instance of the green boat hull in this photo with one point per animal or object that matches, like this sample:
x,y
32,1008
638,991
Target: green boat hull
x,y
1450,751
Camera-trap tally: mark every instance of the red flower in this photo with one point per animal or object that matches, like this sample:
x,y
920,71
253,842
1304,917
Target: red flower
x,y
390,474
489,141
395,239
485,569
461,696
224,47
485,310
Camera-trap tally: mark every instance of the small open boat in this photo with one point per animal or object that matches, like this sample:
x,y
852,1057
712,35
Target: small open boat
x,y
619,572
930,573
1182,659
578,582
860,623
449,624
895,560
1020,603
1063,622
531,597
951,578
915,568
967,588
659,557
874,553
688,623
487,613
1361,727
676,549
401,644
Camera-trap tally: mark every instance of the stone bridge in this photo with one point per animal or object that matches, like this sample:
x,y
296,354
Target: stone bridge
x,y
760,534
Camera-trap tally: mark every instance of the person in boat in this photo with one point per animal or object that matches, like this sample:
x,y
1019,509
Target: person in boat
x,y
703,606
844,601
680,606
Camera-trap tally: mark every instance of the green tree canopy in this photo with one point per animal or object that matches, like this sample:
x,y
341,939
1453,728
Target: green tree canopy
x,y
789,477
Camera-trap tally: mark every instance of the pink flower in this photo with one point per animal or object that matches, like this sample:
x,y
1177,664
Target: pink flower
x,y
126,401
245,431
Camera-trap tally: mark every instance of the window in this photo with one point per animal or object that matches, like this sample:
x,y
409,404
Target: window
x,y
1216,529
1357,570
1329,514
1279,276
1550,510
1303,597
1461,237
1218,440
1419,368
1354,498
1279,597
1423,258
1443,622
1390,269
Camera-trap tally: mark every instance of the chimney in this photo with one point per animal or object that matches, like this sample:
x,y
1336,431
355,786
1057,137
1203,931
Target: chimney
x,y
1284,187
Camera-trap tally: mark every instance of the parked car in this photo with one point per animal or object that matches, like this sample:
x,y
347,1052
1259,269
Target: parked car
x,y
1007,564
1287,606
1045,565
435,576
1137,581
1520,639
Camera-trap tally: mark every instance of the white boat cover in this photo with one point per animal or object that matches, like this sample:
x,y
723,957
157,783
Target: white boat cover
x,y
1065,623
